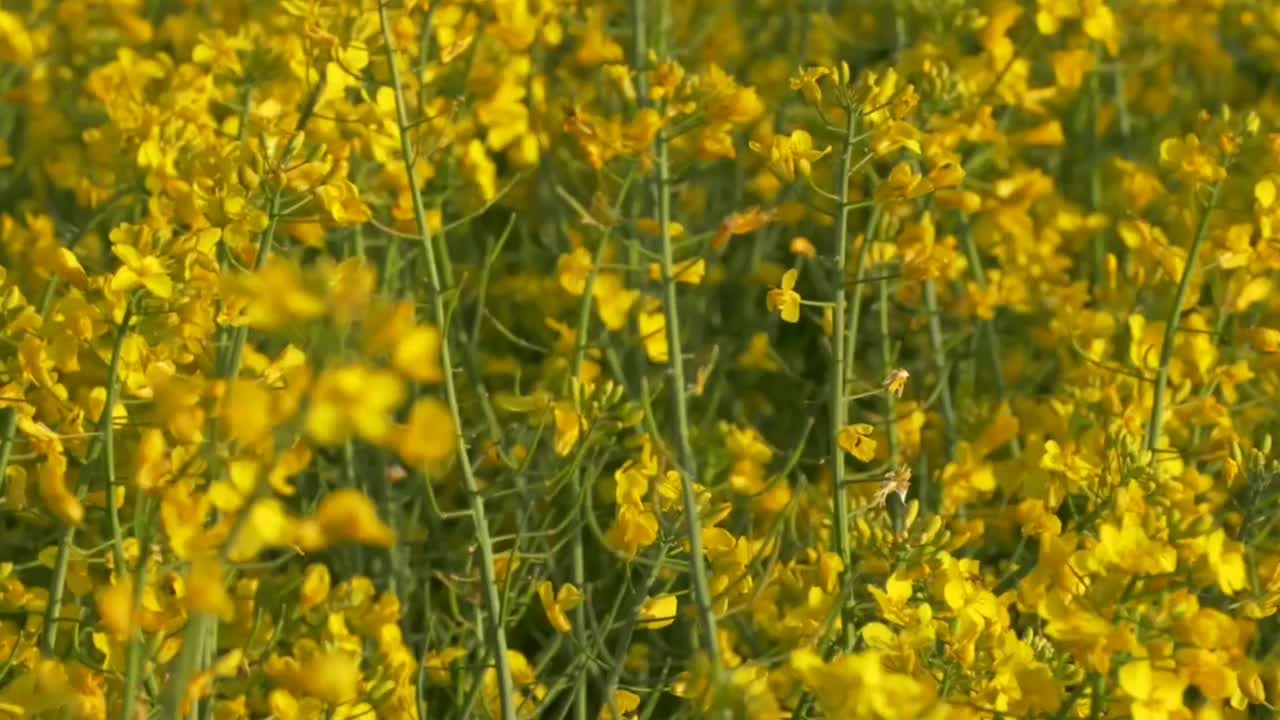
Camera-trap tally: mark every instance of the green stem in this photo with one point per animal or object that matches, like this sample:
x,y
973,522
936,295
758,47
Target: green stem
x,y
1097,243
680,406
577,550
839,372
8,428
640,49
940,364
1171,327
886,358
493,608
58,583
231,368
890,400
133,655
855,314
113,513
624,642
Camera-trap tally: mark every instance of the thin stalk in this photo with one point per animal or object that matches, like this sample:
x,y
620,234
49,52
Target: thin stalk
x,y
8,428
109,467
1171,327
886,358
1097,243
133,655
940,364
628,630
839,371
680,406
640,48
679,399
58,583
201,633
231,368
855,314
240,335
506,689
577,551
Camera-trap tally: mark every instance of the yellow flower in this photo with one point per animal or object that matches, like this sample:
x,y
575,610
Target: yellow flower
x,y
653,332
726,102
625,703
1071,67
742,223
785,299
417,355
573,268
758,356
1265,339
429,440
1190,160
946,175
557,605
658,612
480,169
895,135
246,411
115,609
273,297
791,156
345,515
896,381
41,689
689,272
634,529
16,45
895,481
650,227
857,441
353,399
802,247
331,676
903,183
315,586
806,81
437,664
1048,134
614,300
1157,694
206,591
52,477
569,426
140,271
341,199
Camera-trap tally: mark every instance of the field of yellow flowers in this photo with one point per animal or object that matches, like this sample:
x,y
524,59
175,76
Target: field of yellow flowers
x,y
629,359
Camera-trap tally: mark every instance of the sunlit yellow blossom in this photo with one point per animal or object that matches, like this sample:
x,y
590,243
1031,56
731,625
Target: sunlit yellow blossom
x,y
741,223
689,272
791,156
140,271
429,440
857,441
806,80
344,516
652,324
896,381
556,604
784,299
353,399
658,612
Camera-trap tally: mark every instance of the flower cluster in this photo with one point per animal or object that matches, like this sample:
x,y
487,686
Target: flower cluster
x,y
549,359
